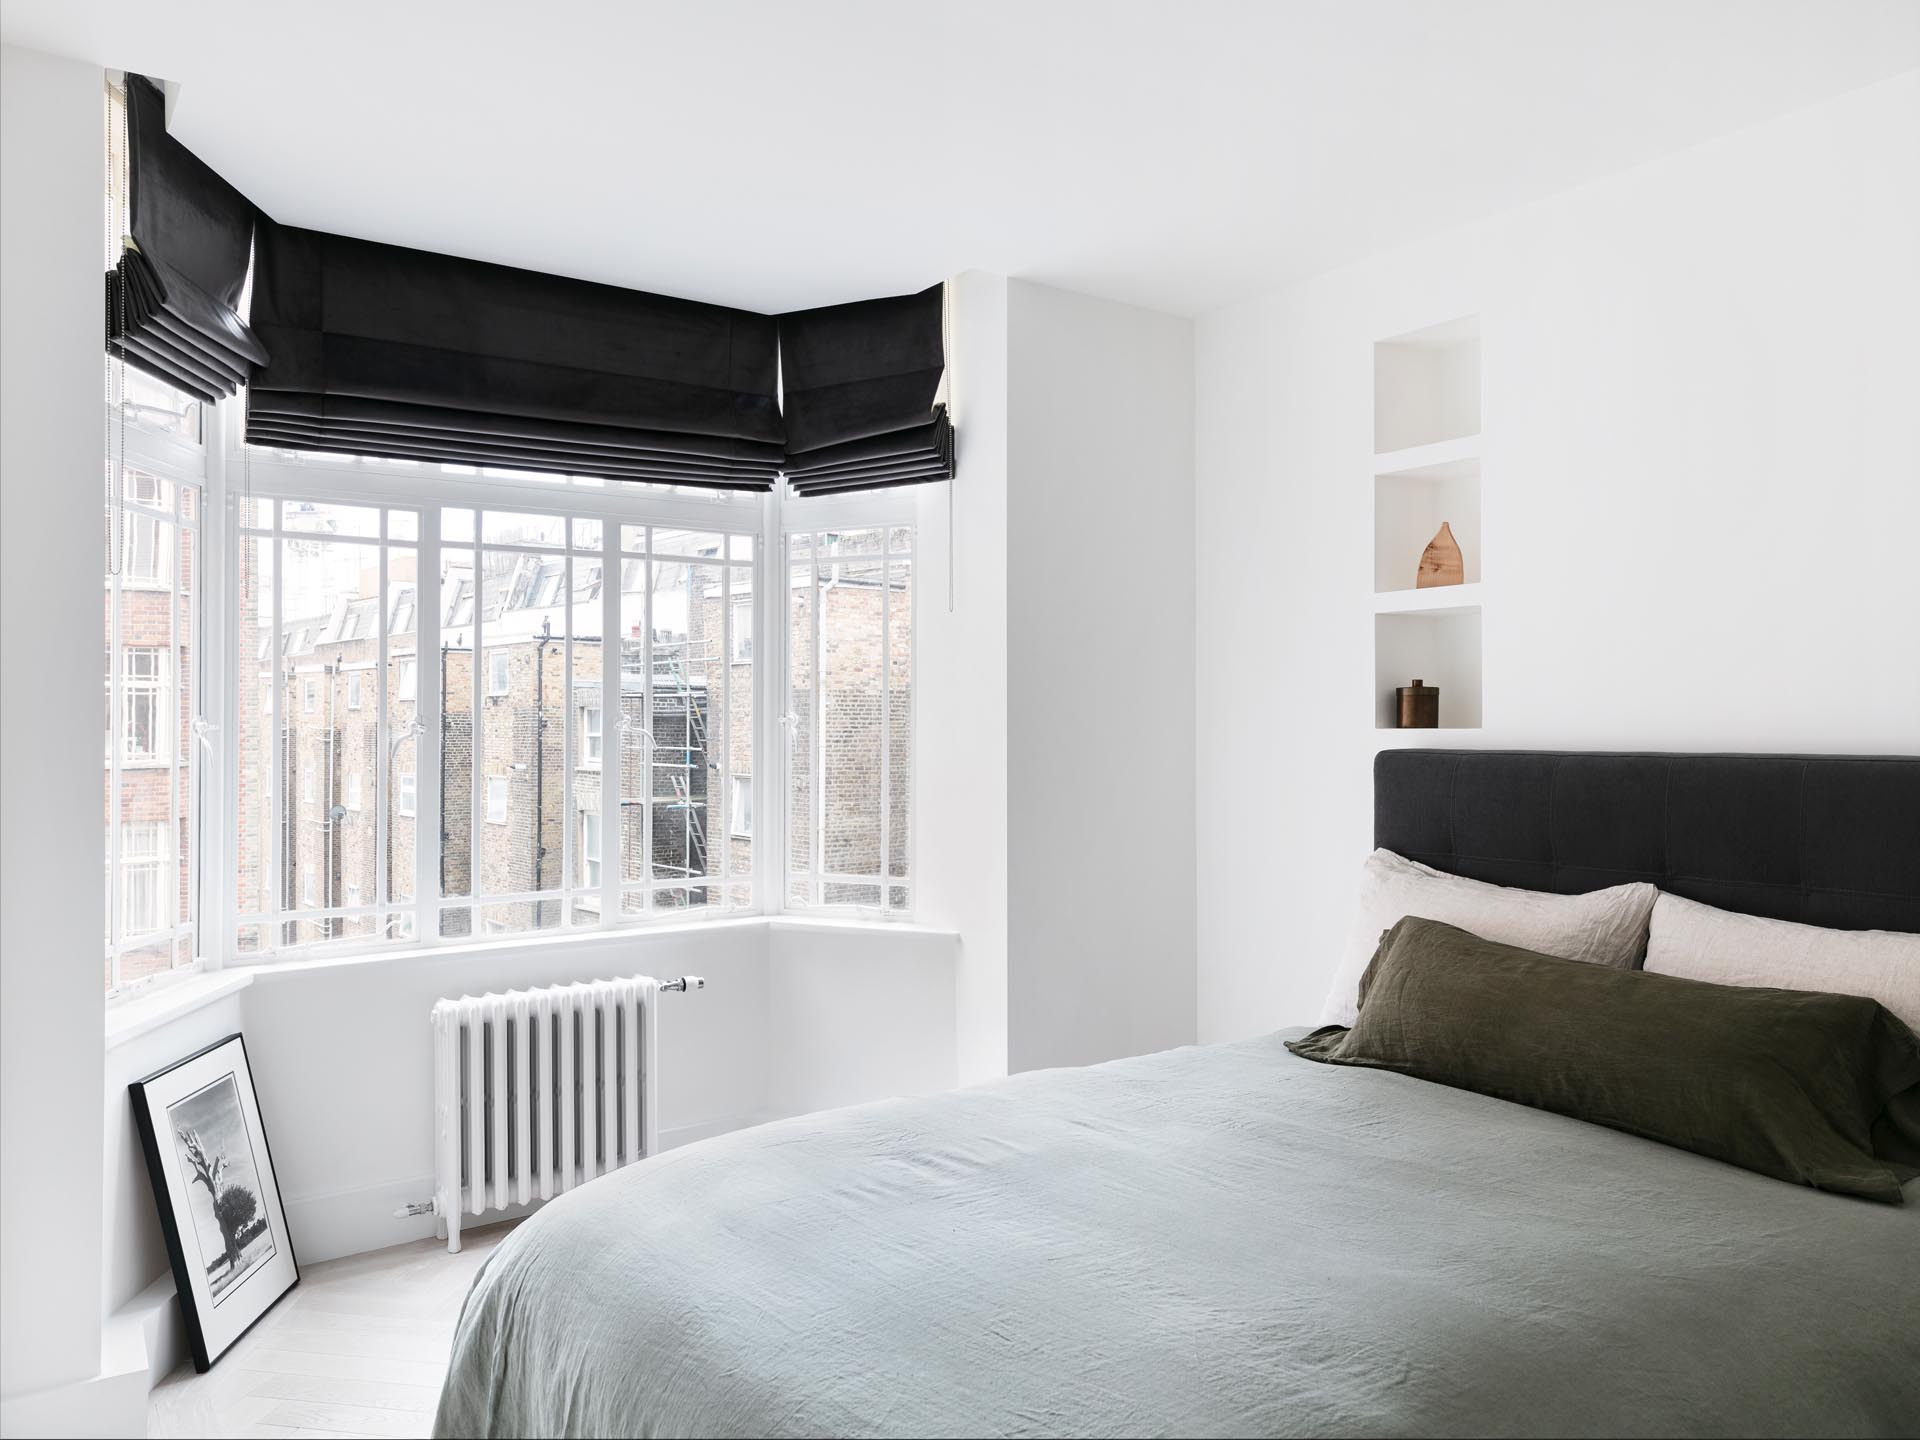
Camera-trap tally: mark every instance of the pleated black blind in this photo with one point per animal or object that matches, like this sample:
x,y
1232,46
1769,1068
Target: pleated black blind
x,y
379,350
861,383
173,296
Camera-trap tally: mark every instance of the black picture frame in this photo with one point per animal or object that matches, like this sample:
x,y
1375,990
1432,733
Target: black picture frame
x,y
252,1265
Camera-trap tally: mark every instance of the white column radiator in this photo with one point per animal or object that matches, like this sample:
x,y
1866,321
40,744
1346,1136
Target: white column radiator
x,y
537,1091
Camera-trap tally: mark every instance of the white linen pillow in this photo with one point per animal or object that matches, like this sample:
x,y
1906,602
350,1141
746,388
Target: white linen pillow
x,y
1605,927
1699,942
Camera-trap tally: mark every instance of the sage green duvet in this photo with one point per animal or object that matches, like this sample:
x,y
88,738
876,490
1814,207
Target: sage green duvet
x,y
1218,1240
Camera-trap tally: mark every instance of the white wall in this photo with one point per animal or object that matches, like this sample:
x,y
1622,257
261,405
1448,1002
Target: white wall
x,y
857,1016
1100,673
343,1060
960,681
1700,504
51,432
796,1016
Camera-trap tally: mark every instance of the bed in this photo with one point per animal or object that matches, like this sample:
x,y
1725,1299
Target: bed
x,y
1233,1240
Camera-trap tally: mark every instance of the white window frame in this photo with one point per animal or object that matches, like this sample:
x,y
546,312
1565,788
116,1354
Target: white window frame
x,y
592,737
590,853
152,687
616,509
145,844
499,671
143,544
167,492
499,793
887,511
406,793
309,696
740,808
740,639
355,688
352,801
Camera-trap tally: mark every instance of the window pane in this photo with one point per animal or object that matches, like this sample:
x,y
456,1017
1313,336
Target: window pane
x,y
507,527
151,403
698,544
629,740
460,609
801,638
689,677
151,764
851,715
255,655
521,736
338,520
737,797
899,716
850,720
590,735
331,593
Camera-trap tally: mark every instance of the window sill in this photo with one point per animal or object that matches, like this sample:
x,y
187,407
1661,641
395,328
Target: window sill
x,y
161,1004
803,924
147,1010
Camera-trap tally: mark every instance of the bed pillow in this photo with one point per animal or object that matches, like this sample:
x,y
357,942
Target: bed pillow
x,y
1698,942
1604,927
1817,1089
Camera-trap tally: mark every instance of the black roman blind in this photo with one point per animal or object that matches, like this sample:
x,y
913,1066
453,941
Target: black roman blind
x,y
173,296
861,383
381,350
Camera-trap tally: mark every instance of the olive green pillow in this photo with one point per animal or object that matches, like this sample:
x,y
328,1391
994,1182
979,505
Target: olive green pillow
x,y
1817,1089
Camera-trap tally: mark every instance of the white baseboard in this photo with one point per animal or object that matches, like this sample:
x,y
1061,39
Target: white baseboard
x,y
352,1222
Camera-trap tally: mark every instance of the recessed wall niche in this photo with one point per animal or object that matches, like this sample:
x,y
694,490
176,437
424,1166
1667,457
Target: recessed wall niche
x,y
1426,473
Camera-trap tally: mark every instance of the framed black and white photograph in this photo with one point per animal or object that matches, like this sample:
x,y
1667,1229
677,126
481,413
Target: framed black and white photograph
x,y
219,1203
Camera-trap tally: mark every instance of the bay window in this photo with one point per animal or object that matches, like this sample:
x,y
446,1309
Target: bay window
x,y
449,704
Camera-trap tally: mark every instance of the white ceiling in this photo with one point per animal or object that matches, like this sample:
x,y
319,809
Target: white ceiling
x,y
775,155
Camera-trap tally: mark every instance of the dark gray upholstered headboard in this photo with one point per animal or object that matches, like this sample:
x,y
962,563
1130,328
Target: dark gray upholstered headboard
x,y
1824,839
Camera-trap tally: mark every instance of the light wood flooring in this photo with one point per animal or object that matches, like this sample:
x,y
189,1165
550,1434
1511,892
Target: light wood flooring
x,y
358,1347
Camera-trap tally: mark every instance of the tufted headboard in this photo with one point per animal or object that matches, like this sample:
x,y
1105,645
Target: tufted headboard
x,y
1828,840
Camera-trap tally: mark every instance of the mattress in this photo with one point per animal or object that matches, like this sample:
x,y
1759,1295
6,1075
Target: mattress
x,y
1213,1240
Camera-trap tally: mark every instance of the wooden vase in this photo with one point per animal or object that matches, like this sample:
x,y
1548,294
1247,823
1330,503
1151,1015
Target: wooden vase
x,y
1440,562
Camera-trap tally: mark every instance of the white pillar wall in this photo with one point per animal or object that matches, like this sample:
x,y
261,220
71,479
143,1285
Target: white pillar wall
x,y
51,837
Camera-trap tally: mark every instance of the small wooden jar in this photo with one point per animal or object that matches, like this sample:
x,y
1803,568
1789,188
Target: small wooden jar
x,y
1417,707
